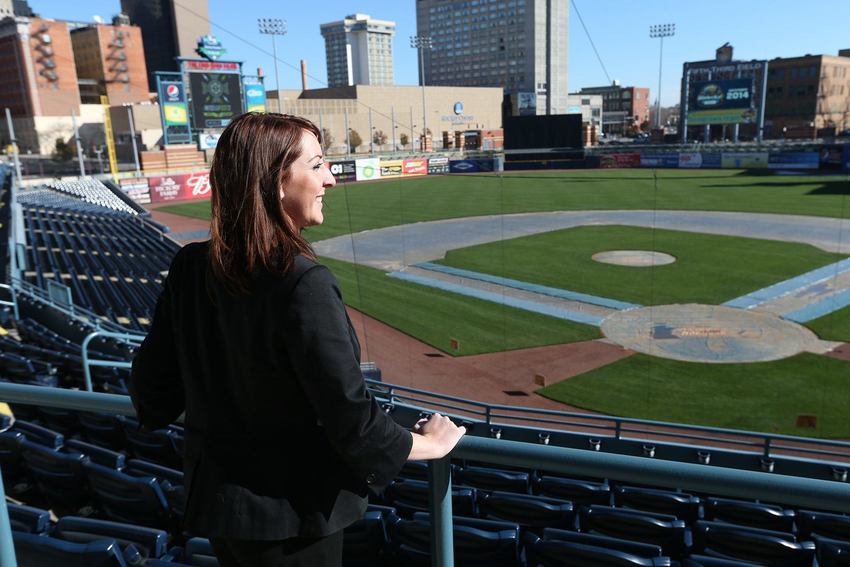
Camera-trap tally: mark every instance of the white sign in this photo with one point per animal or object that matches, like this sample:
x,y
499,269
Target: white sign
x,y
367,168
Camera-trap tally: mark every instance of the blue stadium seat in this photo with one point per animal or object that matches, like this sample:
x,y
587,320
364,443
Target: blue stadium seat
x,y
558,553
365,541
705,561
13,468
492,479
477,542
526,510
596,540
647,527
28,519
833,526
753,514
199,553
414,470
39,551
129,499
832,553
99,455
161,446
137,543
59,476
409,496
59,420
102,429
577,491
728,541
37,434
684,506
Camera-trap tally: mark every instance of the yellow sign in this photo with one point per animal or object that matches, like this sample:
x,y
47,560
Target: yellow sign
x,y
110,139
175,114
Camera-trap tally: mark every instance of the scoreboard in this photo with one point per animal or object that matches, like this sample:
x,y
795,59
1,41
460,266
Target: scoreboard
x,y
216,99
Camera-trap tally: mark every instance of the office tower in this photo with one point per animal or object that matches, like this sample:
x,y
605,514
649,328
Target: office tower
x,y
519,45
359,51
169,29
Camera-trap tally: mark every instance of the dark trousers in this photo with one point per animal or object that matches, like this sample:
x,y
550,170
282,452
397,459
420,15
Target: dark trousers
x,y
293,552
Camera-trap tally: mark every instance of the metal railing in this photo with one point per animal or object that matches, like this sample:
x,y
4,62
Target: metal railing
x,y
789,490
128,338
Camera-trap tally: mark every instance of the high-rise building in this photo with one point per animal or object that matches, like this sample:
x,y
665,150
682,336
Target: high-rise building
x,y
359,51
169,30
519,45
110,61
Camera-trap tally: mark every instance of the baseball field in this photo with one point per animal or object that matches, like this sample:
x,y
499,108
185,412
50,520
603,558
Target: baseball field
x,y
470,255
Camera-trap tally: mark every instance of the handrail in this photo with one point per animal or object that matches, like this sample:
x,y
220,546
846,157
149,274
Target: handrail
x,y
130,338
13,303
795,491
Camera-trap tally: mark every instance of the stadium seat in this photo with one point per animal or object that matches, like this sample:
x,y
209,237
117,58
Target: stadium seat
x,y
199,553
409,496
492,479
705,561
37,434
477,542
129,499
657,529
28,519
596,540
102,429
11,464
753,514
59,475
728,541
39,551
832,553
137,543
526,510
684,506
99,455
832,526
576,491
160,446
559,553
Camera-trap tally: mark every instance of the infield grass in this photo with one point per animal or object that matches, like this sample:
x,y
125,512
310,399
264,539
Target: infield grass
x,y
766,396
360,206
708,269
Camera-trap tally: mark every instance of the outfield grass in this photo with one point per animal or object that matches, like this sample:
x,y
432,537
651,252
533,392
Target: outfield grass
x,y
765,396
355,207
709,268
436,317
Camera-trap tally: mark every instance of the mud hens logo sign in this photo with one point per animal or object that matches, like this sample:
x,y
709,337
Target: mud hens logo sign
x,y
180,187
199,184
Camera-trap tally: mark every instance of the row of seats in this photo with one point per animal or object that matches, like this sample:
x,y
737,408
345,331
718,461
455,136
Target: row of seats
x,y
43,196
91,190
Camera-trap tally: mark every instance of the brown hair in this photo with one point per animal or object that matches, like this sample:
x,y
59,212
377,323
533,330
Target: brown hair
x,y
250,232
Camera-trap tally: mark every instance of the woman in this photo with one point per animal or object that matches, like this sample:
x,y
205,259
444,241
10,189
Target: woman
x,y
251,339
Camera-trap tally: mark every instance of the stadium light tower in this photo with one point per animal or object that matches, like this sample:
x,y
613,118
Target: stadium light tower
x,y
421,42
661,31
273,27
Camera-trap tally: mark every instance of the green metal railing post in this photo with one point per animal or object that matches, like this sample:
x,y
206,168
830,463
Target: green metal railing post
x,y
7,546
440,503
87,363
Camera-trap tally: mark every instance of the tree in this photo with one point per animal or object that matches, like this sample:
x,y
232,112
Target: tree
x,y
379,137
327,139
63,150
354,140
403,139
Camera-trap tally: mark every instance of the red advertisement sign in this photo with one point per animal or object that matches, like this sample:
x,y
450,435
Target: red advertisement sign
x,y
179,187
620,160
415,167
220,66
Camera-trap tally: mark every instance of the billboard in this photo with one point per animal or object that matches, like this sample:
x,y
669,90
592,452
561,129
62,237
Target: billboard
x,y
793,160
174,111
368,168
137,189
659,160
722,102
472,165
216,99
690,160
179,187
438,165
344,170
255,94
392,168
743,160
620,160
415,166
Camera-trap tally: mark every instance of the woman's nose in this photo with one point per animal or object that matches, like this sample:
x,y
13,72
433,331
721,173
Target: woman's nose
x,y
330,180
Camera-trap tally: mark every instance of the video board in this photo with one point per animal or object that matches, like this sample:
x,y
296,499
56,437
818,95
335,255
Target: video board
x,y
721,102
216,99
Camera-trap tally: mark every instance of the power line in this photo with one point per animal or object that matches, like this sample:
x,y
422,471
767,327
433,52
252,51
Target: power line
x,y
590,39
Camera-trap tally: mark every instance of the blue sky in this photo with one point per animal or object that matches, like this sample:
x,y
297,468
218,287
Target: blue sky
x,y
758,29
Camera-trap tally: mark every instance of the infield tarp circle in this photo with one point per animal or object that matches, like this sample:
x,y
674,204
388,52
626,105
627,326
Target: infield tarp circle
x,y
708,333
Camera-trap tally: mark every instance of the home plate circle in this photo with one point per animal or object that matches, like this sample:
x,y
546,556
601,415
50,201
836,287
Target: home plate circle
x,y
634,258
708,333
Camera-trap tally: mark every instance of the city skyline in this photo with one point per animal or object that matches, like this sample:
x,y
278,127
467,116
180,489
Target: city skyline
x,y
767,29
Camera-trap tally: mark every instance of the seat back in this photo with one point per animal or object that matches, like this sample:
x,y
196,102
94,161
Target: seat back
x,y
149,542
527,511
27,519
729,541
39,551
657,529
59,475
832,526
683,506
556,553
124,498
597,540
365,541
493,479
409,496
832,553
753,514
582,492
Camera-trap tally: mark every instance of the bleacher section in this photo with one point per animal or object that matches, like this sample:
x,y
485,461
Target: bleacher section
x,y
112,260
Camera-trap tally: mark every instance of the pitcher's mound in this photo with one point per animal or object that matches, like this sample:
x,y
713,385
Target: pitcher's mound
x,y
709,333
634,258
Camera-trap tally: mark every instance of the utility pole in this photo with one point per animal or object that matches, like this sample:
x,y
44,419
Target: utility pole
x,y
274,27
661,31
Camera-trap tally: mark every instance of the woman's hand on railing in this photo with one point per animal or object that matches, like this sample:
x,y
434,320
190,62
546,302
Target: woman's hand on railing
x,y
434,438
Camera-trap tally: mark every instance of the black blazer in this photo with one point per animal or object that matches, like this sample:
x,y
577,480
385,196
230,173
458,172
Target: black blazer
x,y
282,437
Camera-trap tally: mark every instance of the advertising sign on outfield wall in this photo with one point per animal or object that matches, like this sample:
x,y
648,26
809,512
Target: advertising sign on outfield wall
x,y
137,188
179,187
392,168
690,160
659,160
438,165
472,165
620,160
367,168
744,160
344,170
793,160
415,166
